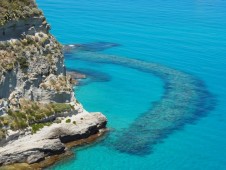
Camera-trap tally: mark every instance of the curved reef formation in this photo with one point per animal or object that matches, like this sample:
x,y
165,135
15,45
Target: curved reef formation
x,y
38,110
185,99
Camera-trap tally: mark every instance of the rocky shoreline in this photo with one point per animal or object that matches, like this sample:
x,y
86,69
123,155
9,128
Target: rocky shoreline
x,y
51,160
51,140
39,113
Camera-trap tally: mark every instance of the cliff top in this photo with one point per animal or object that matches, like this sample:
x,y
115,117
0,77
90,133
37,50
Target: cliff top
x,y
17,9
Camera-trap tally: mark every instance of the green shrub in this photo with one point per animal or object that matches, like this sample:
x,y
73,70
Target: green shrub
x,y
5,122
39,116
2,134
22,124
60,107
9,66
34,106
38,126
23,62
68,121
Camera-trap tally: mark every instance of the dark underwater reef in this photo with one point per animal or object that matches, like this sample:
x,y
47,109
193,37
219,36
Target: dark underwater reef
x,y
93,47
91,76
185,100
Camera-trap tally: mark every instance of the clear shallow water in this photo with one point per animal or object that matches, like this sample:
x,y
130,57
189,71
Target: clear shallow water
x,y
188,35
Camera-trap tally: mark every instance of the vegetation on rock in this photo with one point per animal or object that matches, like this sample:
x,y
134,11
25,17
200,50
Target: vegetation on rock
x,y
31,48
7,60
23,62
30,114
2,134
36,127
34,55
35,63
17,9
58,83
68,121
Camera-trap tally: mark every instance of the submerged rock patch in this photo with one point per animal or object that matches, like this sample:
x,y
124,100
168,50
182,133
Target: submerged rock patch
x,y
91,75
93,47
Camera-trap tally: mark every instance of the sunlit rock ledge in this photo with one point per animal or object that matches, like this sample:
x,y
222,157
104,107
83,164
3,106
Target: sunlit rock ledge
x,y
51,139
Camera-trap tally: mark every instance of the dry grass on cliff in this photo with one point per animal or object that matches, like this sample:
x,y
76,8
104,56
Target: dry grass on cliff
x,y
17,9
58,83
31,113
7,60
30,48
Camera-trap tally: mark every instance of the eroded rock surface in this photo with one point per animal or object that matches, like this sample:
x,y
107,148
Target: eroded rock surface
x,y
50,140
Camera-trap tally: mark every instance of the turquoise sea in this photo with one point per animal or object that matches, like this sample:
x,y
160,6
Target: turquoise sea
x,y
187,41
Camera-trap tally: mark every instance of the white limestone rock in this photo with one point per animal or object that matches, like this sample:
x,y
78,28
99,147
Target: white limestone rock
x,y
50,140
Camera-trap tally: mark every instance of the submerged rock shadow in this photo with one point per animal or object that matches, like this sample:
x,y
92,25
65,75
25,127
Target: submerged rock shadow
x,y
93,47
185,100
91,76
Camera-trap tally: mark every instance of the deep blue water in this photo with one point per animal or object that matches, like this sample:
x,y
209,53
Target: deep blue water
x,y
188,36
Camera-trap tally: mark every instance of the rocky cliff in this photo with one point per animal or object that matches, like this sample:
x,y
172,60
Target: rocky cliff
x,y
31,60
35,90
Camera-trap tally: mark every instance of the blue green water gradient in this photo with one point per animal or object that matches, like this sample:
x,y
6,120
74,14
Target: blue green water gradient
x,y
189,36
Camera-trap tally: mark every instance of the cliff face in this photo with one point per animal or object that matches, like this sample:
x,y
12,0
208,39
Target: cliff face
x,y
35,92
20,16
16,28
31,61
31,67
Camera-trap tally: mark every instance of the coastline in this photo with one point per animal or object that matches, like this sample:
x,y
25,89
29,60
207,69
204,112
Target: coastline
x,y
51,140
184,35
51,160
52,143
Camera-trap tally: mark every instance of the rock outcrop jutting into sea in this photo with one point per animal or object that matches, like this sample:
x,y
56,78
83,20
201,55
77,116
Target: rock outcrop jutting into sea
x,y
38,110
185,99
